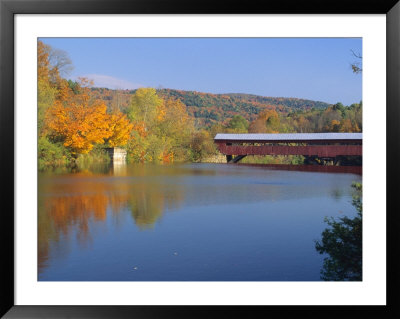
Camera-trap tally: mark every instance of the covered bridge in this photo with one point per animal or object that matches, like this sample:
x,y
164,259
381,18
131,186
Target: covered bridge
x,y
326,146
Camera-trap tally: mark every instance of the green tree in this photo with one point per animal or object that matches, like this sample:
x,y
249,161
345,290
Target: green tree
x,y
74,86
46,98
51,155
342,241
238,124
46,90
339,107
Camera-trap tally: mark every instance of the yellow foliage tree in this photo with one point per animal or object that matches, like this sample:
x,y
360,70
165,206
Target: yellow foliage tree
x,y
335,124
346,126
121,129
302,124
160,128
175,128
145,108
174,119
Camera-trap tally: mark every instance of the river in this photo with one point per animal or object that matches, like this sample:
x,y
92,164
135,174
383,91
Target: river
x,y
188,222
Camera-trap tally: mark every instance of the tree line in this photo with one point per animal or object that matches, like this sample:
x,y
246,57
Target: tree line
x,y
76,122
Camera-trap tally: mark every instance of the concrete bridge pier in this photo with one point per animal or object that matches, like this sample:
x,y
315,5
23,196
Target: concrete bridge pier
x,y
117,155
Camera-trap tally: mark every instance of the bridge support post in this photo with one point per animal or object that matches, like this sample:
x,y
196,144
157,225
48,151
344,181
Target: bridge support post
x,y
229,157
311,160
336,161
235,159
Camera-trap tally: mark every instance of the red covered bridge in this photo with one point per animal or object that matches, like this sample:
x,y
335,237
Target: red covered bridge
x,y
325,146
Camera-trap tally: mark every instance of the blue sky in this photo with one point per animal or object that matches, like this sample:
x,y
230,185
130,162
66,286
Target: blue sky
x,y
311,68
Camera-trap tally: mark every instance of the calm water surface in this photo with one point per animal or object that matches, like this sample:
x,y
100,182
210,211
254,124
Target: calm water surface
x,y
192,222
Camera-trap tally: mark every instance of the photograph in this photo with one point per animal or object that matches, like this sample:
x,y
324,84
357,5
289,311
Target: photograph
x,y
167,159
199,159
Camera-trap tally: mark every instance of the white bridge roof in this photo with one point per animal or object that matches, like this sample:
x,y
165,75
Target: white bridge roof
x,y
289,137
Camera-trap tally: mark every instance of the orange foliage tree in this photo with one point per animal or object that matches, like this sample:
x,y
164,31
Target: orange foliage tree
x,y
79,125
121,129
266,122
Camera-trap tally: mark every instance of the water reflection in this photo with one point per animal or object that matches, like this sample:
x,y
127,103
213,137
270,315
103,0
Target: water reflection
x,y
310,168
69,203
233,206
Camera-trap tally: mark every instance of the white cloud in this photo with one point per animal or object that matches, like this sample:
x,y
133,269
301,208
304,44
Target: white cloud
x,y
111,82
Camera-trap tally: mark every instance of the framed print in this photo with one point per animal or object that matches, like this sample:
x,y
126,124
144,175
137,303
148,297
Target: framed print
x,y
166,159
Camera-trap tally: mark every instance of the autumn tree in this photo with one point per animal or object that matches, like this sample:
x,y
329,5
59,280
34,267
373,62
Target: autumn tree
x,y
257,126
81,122
121,129
266,122
80,126
355,115
346,126
174,121
202,145
145,108
182,130
330,120
161,127
303,124
144,111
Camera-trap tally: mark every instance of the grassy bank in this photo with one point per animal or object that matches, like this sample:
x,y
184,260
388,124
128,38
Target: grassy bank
x,y
269,159
53,156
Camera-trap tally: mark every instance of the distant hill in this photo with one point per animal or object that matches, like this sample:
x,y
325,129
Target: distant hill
x,y
208,108
221,107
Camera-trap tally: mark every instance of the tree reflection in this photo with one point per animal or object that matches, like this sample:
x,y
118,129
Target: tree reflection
x,y
342,241
68,205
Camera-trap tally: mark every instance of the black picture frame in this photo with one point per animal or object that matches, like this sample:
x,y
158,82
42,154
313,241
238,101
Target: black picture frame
x,y
8,8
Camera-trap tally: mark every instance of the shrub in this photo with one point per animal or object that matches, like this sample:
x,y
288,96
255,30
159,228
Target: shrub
x,y
52,155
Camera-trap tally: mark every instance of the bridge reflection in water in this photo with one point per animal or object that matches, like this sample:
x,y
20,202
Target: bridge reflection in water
x,y
310,168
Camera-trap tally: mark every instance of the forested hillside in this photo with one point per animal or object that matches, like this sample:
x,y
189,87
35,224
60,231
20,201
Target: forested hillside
x,y
208,108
